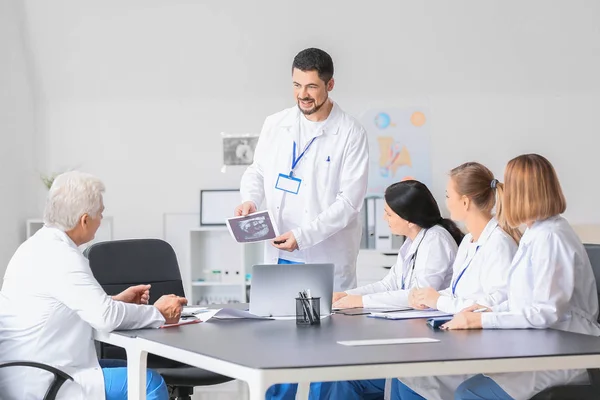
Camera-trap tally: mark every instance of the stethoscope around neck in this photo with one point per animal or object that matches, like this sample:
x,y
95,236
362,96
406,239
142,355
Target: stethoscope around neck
x,y
413,260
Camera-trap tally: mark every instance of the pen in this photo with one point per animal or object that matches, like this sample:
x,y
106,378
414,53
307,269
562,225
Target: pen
x,y
306,307
483,309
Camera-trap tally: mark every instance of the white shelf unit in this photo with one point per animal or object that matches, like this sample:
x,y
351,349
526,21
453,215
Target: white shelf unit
x,y
213,249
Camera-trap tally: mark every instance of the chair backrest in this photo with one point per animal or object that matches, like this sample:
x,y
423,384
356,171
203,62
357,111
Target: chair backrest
x,y
118,264
593,251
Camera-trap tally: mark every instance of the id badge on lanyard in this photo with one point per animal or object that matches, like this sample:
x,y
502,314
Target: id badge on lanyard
x,y
289,183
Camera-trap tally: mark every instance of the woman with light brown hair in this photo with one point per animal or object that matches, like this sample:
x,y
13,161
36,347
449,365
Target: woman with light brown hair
x,y
551,282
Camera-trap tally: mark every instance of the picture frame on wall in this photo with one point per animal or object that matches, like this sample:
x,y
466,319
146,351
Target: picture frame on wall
x,y
216,205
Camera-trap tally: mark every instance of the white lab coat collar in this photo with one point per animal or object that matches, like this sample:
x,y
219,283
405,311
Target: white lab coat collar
x,y
60,234
292,121
487,232
415,243
537,226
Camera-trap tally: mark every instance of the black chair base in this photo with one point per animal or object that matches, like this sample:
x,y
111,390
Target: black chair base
x,y
180,392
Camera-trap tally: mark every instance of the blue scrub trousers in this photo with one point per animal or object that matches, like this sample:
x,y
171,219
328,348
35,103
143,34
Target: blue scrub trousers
x,y
115,382
480,387
346,390
372,389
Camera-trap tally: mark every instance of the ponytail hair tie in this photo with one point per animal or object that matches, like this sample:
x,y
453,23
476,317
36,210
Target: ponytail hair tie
x,y
494,183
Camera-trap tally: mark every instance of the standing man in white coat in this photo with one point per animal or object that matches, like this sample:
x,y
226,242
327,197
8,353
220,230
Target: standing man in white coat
x,y
50,303
310,169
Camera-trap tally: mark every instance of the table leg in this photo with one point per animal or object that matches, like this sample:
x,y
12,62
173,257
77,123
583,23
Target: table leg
x,y
303,391
258,389
136,373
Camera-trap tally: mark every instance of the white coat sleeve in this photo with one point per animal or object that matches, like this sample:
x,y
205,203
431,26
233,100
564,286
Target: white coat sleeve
x,y
432,267
78,290
349,200
552,284
252,184
385,293
493,280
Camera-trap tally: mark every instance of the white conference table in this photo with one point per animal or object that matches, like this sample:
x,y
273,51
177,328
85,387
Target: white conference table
x,y
266,352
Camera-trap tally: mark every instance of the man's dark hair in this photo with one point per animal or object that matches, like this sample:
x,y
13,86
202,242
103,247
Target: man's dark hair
x,y
314,60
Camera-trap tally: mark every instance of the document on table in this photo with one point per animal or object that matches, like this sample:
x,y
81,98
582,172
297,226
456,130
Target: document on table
x,y
380,342
366,311
410,314
195,315
227,313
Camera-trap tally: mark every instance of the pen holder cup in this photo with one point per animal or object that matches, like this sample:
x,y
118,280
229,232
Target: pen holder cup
x,y
308,311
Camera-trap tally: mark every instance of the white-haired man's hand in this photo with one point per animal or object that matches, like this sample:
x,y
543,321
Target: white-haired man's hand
x,y
139,294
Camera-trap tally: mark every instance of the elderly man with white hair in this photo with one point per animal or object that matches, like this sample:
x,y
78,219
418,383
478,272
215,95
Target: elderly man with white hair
x,y
50,302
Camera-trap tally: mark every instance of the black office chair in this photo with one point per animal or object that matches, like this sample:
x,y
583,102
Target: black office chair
x,y
580,392
59,376
116,265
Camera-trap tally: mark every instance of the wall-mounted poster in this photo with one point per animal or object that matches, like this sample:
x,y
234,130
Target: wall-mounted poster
x,y
399,146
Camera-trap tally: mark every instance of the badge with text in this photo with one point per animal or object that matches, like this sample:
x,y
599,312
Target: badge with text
x,y
288,183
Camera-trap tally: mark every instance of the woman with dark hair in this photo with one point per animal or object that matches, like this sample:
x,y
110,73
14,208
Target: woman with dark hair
x,y
424,260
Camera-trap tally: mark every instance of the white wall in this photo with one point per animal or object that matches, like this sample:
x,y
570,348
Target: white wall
x,y
137,92
18,194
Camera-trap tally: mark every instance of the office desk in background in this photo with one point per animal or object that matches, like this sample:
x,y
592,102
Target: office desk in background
x,y
263,353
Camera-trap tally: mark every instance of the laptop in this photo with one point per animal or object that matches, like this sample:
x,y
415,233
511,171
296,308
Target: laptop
x,y
275,287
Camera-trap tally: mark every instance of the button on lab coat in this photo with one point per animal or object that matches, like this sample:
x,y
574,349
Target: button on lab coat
x,y
433,268
483,282
49,303
334,173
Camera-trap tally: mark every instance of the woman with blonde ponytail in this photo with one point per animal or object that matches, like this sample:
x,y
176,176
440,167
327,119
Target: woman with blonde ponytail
x,y
480,270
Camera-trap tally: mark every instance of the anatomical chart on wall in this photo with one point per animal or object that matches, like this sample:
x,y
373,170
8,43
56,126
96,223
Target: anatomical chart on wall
x,y
399,146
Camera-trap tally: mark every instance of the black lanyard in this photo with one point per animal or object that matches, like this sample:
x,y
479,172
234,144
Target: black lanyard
x,y
413,260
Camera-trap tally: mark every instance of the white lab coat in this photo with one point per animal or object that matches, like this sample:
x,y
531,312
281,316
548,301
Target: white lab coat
x,y
49,304
432,268
487,262
334,173
551,285
484,282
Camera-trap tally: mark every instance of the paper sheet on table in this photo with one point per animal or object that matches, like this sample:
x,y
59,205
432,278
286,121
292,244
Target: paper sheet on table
x,y
376,342
365,310
411,314
226,313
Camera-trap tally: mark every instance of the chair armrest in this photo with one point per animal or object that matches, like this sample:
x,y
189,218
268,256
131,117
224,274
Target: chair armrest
x,y
60,377
32,364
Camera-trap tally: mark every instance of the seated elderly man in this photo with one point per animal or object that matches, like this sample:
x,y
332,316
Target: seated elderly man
x,y
50,302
